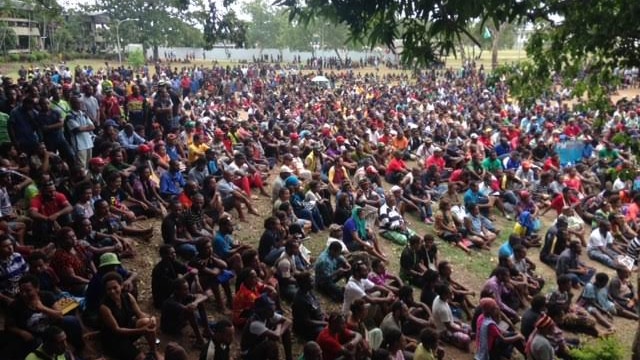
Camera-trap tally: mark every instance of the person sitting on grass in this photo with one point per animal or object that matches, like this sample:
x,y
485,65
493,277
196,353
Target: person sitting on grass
x,y
412,266
451,330
180,308
621,290
392,223
600,246
380,276
569,263
491,341
358,236
330,268
479,229
446,226
213,273
595,297
569,317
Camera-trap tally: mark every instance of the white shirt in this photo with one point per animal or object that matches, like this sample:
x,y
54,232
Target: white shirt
x,y
597,240
441,314
355,289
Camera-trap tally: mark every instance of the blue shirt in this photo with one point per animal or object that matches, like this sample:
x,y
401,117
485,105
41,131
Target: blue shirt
x,y
471,198
347,229
222,245
171,183
505,250
325,267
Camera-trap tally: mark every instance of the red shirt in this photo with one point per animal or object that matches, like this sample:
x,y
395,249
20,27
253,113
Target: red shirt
x,y
331,344
550,162
437,161
395,165
50,207
559,202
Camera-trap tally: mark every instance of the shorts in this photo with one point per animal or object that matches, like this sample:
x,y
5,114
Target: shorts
x,y
229,203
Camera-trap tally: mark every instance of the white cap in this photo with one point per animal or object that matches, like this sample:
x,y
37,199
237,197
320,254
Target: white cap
x,y
285,169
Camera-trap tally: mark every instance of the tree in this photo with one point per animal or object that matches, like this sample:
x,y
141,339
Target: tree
x,y
593,38
264,28
136,59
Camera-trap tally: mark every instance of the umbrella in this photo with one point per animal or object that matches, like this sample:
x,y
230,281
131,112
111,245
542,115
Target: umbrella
x,y
320,78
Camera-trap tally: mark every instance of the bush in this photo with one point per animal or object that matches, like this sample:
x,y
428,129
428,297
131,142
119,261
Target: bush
x,y
606,348
14,57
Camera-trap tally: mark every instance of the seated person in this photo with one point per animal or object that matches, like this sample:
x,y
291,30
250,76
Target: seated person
x,y
336,340
226,248
391,222
174,231
412,266
491,341
106,222
357,236
380,276
250,289
264,330
526,269
32,312
600,246
180,308
621,289
12,268
109,262
330,268
595,298
447,226
568,316
450,330
308,318
124,322
165,272
213,273
555,241
479,230
569,263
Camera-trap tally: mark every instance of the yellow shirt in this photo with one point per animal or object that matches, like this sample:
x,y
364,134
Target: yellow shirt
x,y
197,151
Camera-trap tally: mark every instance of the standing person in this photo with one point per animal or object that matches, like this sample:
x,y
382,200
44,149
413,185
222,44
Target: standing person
x,y
50,125
81,130
22,126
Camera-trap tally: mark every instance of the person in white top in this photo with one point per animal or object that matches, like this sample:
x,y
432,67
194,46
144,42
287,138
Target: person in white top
x,y
451,331
599,247
359,287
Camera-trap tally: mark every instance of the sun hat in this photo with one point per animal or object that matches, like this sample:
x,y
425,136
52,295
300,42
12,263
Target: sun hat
x,y
109,258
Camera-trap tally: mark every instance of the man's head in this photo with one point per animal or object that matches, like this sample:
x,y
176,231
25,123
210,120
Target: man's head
x,y
336,323
223,332
54,341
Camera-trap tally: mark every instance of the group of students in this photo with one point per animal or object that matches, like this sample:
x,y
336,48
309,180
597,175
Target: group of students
x,y
356,165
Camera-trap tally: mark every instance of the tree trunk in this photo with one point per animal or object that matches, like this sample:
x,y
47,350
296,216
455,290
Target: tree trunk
x,y
338,54
156,53
495,42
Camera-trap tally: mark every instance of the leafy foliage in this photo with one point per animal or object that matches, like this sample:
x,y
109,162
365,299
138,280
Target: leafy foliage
x,y
606,348
136,58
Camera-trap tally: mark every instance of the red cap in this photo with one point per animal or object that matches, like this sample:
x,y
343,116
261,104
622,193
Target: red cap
x,y
97,161
144,149
340,140
294,136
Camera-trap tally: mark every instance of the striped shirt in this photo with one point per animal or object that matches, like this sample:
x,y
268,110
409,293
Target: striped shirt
x,y
11,271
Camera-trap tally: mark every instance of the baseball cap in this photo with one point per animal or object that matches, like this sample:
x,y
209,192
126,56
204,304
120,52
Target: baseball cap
x,y
285,169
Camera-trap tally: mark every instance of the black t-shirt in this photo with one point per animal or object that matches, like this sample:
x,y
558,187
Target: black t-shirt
x,y
268,241
305,307
528,322
172,318
28,319
173,227
162,278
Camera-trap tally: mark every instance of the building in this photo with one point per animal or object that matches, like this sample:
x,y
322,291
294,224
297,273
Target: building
x,y
17,16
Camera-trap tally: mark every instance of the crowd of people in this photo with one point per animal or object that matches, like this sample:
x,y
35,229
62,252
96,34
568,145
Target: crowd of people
x,y
92,159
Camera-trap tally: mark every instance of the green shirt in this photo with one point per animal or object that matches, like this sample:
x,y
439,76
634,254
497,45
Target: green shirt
x,y
4,132
492,165
33,356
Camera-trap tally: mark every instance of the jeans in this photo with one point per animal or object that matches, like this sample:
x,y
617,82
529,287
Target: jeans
x,y
312,215
603,257
583,278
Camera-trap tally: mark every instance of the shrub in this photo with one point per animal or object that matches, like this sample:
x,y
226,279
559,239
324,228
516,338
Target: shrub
x,y
606,348
14,57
